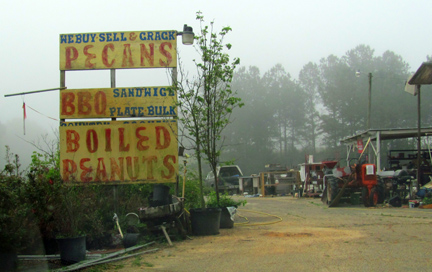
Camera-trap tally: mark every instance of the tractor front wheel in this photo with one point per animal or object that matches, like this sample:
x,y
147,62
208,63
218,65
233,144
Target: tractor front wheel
x,y
374,197
370,199
365,197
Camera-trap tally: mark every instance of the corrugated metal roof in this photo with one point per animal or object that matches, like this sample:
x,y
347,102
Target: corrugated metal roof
x,y
423,76
387,134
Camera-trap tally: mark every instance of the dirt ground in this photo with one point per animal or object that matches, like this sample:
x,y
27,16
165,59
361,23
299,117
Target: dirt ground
x,y
308,236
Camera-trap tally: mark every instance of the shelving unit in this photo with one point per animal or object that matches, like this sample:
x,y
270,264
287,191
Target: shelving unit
x,y
400,157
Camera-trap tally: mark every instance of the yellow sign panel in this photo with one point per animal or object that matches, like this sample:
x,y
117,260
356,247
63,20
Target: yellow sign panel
x,y
118,50
119,152
118,102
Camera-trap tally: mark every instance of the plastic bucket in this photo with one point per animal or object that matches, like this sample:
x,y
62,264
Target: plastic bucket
x,y
161,196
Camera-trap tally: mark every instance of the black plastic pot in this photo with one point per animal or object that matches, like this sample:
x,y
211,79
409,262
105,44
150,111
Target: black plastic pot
x,y
8,261
130,239
72,250
205,221
225,221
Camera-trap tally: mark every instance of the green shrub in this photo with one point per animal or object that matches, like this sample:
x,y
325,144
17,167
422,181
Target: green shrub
x,y
17,227
427,199
225,200
192,194
40,204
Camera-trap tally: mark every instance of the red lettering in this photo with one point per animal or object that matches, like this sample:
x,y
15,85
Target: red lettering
x,y
101,173
166,138
92,135
150,161
147,55
71,55
84,106
69,168
122,146
165,53
72,141
141,138
67,106
100,102
85,175
108,140
132,36
131,169
105,55
90,56
116,169
127,56
169,166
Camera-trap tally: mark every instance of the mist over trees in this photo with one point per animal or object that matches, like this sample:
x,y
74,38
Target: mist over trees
x,y
23,145
285,119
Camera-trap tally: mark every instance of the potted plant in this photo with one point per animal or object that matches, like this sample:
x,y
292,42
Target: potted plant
x,y
70,218
228,207
205,221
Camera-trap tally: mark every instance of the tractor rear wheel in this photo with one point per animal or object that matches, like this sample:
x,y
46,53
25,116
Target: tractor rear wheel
x,y
332,190
381,190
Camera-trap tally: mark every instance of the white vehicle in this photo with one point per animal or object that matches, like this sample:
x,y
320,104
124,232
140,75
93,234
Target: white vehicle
x,y
228,177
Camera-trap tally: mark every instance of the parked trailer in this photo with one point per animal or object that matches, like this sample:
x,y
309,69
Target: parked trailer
x,y
279,182
312,175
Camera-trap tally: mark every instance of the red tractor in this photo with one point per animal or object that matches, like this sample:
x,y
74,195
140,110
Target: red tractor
x,y
343,182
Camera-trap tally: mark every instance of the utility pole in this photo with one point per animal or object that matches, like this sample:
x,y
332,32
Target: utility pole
x,y
418,137
368,125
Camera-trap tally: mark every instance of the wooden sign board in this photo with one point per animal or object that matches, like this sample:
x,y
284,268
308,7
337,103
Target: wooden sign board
x,y
119,152
118,50
118,102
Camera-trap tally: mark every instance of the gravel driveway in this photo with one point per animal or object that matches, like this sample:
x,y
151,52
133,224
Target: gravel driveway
x,y
310,237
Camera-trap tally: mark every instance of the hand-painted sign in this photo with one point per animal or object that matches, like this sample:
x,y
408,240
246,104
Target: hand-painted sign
x,y
118,102
119,152
118,50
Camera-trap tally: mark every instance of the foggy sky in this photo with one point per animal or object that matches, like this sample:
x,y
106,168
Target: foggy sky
x,y
265,33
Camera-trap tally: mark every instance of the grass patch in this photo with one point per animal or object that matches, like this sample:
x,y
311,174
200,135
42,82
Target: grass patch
x,y
118,266
316,204
98,268
148,264
137,261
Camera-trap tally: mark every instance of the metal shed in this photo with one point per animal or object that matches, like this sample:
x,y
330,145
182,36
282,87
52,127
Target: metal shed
x,y
378,135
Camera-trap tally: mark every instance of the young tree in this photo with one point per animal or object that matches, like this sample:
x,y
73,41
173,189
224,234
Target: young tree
x,y
207,102
218,98
190,119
